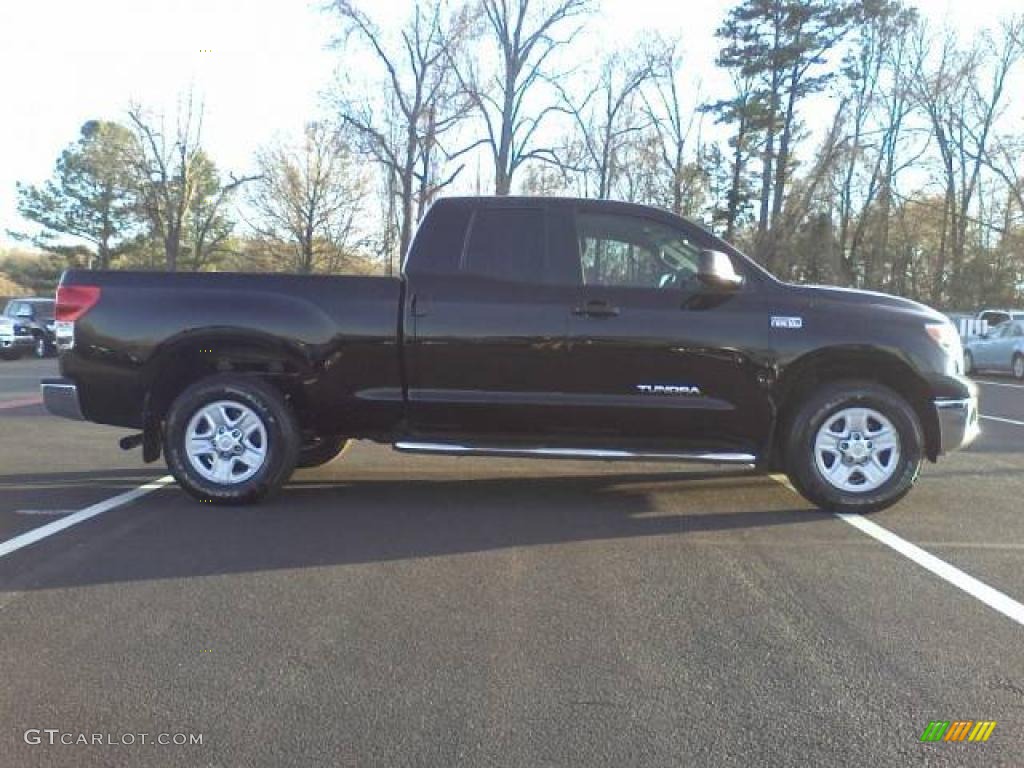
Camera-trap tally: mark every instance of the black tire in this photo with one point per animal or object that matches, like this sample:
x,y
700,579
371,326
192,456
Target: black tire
x,y
1017,367
825,404
968,363
282,438
323,451
41,349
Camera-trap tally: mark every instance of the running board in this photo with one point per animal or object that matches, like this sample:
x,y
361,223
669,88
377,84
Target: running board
x,y
600,454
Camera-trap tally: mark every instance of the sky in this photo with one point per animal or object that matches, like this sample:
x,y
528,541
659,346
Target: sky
x,y
259,66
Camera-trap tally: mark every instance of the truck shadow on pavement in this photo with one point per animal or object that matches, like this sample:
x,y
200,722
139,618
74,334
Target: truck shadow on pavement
x,y
322,521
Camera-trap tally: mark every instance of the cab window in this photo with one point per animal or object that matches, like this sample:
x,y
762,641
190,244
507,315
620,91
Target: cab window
x,y
632,251
506,244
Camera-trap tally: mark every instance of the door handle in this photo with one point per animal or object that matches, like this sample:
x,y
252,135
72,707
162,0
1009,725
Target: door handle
x,y
420,306
596,308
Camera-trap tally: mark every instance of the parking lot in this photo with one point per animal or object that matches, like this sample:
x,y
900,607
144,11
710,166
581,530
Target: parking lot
x,y
388,610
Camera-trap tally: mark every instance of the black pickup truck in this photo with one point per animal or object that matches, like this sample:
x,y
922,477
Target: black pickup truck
x,y
555,328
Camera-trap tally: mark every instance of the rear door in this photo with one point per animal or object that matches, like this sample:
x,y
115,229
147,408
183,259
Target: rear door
x,y
654,356
487,326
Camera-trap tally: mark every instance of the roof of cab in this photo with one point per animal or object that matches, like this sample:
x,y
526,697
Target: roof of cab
x,y
494,201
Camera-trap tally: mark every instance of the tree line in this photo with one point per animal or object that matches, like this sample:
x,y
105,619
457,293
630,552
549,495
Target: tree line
x,y
910,181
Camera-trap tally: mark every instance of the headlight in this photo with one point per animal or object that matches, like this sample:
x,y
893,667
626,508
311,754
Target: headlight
x,y
947,337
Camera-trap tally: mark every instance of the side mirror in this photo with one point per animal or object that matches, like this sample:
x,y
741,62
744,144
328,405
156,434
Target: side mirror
x,y
716,270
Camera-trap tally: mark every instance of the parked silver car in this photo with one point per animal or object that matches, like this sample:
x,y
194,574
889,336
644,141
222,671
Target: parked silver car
x,y
1001,350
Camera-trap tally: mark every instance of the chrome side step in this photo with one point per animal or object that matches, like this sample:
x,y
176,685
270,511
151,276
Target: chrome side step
x,y
600,454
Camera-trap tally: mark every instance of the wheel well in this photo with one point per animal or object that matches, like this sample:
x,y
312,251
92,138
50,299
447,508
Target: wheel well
x,y
179,367
807,375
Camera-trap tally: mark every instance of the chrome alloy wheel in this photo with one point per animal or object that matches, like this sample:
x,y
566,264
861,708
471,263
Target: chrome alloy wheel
x,y
226,442
857,450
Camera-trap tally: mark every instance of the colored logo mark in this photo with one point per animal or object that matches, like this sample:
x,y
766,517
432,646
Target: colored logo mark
x,y
958,730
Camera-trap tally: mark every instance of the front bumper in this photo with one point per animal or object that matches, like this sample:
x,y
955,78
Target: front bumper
x,y
958,422
60,397
7,341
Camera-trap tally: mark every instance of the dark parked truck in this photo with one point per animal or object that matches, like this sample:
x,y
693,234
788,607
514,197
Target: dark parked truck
x,y
554,328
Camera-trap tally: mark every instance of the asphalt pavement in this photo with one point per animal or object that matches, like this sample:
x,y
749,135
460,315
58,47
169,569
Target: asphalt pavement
x,y
397,610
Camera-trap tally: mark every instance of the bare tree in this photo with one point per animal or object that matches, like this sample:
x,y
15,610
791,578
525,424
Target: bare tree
x,y
962,93
402,125
605,118
525,34
308,200
875,106
172,172
1004,156
1004,159
676,125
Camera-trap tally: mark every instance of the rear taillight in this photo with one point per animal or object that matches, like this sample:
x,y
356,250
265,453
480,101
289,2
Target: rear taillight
x,y
73,301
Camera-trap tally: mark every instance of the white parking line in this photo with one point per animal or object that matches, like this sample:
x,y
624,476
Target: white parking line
x,y
990,596
979,590
36,534
1001,420
20,402
999,384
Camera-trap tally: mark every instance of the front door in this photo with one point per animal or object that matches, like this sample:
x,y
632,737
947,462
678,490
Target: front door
x,y
656,357
987,351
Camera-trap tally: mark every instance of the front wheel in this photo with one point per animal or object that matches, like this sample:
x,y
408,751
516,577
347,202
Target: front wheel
x,y
231,439
968,363
1018,366
41,347
854,447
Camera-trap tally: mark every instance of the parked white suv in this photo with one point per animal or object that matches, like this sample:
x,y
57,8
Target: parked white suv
x,y
27,325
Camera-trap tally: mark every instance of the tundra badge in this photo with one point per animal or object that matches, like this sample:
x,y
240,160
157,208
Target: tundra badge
x,y
669,389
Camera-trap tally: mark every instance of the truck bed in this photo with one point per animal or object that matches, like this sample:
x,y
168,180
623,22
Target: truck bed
x,y
299,328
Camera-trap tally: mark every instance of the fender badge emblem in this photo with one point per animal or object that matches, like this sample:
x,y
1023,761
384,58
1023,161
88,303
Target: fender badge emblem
x,y
787,322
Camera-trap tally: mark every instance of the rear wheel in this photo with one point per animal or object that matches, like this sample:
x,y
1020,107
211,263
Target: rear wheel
x,y
325,450
41,347
1018,366
231,439
854,447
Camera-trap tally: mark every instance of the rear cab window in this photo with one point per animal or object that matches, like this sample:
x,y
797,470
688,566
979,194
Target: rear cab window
x,y
439,242
506,244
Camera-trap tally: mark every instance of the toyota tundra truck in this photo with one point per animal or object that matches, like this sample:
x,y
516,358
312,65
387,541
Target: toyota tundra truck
x,y
525,327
